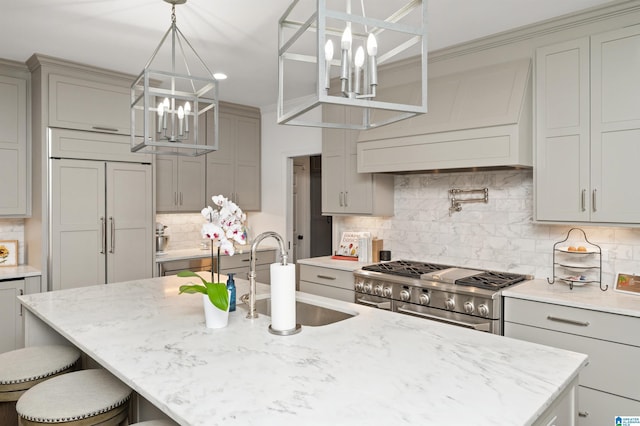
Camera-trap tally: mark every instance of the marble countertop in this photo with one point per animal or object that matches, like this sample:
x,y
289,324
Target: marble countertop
x,y
378,367
17,272
588,296
195,253
328,262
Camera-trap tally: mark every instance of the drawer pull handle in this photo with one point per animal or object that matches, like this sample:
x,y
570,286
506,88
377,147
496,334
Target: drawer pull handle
x,y
568,321
583,414
326,277
105,129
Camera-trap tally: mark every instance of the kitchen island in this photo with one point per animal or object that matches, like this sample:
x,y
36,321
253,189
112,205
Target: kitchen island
x,y
375,368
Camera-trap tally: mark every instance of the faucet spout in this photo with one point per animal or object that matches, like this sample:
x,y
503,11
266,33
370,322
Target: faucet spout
x,y
252,271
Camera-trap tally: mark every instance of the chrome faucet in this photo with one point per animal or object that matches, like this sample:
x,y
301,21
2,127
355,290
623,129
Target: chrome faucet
x,y
252,272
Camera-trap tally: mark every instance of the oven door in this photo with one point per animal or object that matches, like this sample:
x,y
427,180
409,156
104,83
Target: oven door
x,y
448,317
373,301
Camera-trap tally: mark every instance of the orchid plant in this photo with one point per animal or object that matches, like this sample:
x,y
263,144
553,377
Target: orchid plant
x,y
225,228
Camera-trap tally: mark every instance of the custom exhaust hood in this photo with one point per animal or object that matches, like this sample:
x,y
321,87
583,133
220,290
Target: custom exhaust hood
x,y
477,119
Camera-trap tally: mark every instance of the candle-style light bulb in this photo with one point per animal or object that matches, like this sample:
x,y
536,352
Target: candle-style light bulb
x,y
328,56
372,50
358,62
187,110
345,44
160,114
180,120
165,111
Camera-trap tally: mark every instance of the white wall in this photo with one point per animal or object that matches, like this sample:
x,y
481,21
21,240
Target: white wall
x,y
278,143
499,235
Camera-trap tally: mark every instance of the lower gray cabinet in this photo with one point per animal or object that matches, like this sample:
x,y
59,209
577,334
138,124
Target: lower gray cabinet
x,y
12,336
327,282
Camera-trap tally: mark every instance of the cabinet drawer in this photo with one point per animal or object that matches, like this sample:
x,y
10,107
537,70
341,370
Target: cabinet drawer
x,y
327,291
599,408
611,367
76,103
240,260
327,276
583,322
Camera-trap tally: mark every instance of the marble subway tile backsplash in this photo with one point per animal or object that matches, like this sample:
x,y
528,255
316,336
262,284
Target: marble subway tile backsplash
x,y
183,229
13,229
499,235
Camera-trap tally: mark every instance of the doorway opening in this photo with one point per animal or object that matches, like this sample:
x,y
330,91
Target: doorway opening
x,y
312,232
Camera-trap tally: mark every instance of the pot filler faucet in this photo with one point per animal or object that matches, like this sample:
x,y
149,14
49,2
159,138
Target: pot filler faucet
x,y
252,272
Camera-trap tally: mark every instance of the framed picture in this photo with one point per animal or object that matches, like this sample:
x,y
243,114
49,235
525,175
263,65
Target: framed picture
x,y
8,252
628,283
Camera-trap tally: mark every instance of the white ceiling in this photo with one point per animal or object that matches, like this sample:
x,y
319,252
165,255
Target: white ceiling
x,y
238,37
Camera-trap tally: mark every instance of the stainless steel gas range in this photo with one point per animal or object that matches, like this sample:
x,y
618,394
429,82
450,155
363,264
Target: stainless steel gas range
x,y
464,297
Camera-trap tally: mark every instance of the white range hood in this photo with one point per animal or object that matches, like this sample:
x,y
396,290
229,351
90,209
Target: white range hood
x,y
480,118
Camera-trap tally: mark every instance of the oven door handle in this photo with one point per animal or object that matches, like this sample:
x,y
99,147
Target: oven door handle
x,y
481,327
380,305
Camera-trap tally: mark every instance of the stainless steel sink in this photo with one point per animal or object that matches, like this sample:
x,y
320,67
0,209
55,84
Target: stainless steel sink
x,y
306,313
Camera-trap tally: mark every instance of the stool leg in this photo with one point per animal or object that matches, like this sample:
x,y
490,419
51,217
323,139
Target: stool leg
x,y
8,415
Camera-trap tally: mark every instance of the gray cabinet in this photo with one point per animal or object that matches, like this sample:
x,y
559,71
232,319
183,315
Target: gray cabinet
x,y
180,183
101,223
83,164
344,190
327,282
15,161
234,169
606,385
90,104
588,128
12,336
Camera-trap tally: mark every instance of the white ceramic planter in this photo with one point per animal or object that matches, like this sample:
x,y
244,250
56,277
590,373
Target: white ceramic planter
x,y
214,317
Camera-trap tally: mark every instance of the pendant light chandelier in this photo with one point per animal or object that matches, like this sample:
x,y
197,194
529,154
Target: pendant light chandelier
x,y
175,98
370,59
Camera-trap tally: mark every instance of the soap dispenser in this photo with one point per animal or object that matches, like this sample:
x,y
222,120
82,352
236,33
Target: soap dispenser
x,y
231,286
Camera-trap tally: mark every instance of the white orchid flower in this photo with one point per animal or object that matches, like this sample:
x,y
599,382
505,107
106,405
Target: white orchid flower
x,y
225,224
227,247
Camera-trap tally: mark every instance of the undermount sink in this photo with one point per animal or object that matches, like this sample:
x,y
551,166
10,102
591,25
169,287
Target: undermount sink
x,y
306,313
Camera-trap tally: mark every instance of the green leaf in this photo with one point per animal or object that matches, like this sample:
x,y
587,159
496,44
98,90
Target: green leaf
x,y
184,274
193,288
218,295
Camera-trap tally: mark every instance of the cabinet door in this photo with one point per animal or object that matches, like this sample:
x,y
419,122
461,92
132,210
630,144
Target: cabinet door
x,y
191,183
599,408
10,315
333,163
13,146
247,179
78,223
615,126
129,220
358,197
220,164
166,183
562,142
76,103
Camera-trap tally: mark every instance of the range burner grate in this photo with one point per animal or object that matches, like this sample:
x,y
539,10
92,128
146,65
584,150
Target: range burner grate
x,y
405,268
491,280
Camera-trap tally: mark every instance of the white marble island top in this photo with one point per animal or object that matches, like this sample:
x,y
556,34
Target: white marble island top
x,y
377,368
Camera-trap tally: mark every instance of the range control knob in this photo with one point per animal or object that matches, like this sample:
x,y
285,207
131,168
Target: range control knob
x,y
359,285
424,299
377,290
468,307
450,304
386,292
483,310
405,295
367,287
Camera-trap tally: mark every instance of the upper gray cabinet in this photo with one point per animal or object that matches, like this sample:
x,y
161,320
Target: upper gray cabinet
x,y
588,129
15,161
234,169
96,105
477,118
344,190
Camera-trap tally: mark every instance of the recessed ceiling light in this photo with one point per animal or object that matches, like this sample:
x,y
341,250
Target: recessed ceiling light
x,y
219,76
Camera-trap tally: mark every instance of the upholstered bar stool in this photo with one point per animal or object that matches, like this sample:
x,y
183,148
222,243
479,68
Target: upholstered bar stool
x,y
155,423
81,398
22,369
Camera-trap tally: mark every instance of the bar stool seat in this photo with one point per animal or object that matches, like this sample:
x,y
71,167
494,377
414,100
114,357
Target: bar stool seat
x,y
22,369
155,423
86,397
